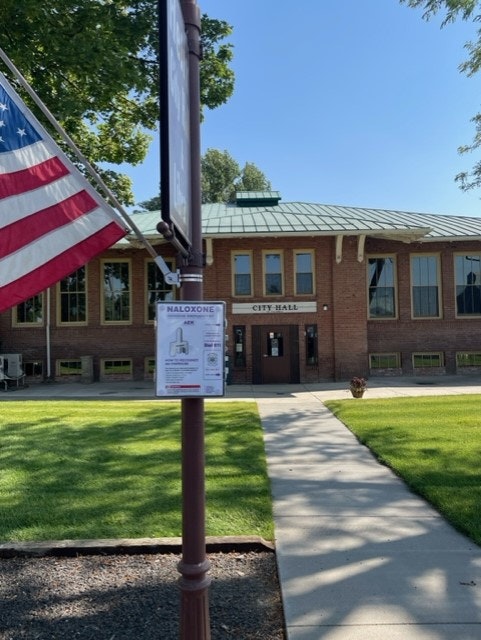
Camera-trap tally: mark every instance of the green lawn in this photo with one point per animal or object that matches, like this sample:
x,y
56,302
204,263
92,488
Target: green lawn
x,y
433,443
111,469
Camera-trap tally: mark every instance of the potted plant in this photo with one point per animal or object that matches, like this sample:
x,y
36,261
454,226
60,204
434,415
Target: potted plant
x,y
357,386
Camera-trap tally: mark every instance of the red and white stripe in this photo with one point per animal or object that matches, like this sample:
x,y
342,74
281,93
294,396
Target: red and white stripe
x,y
51,219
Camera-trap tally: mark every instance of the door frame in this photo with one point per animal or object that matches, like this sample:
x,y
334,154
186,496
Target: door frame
x,y
292,335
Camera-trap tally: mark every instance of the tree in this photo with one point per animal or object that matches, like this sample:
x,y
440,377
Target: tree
x,y
153,204
94,63
222,177
252,179
466,10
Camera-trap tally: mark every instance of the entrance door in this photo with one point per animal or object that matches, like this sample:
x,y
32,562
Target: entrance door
x,y
275,354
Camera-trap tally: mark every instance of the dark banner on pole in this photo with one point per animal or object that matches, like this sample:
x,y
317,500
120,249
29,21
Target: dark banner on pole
x,y
174,118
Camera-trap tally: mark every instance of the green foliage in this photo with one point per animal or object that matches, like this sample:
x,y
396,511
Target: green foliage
x,y
154,204
454,8
222,177
252,179
465,10
433,443
94,64
111,469
216,77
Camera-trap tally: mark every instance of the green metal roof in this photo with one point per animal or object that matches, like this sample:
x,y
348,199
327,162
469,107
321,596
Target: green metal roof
x,y
298,218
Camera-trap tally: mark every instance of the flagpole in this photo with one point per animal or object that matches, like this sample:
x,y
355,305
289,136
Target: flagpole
x,y
88,166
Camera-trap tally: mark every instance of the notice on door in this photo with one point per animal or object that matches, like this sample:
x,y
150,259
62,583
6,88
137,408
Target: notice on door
x,y
190,339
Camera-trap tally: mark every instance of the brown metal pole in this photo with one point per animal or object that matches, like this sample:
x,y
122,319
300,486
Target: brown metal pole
x,y
194,565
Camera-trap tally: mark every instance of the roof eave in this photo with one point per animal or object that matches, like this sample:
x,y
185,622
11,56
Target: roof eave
x,y
404,235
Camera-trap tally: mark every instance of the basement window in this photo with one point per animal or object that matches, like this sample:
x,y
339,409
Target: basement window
x,y
114,368
33,369
149,368
69,367
427,360
384,361
468,359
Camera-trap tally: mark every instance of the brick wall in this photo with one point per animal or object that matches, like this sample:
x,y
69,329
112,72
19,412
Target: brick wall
x,y
135,340
218,285
349,313
406,335
345,336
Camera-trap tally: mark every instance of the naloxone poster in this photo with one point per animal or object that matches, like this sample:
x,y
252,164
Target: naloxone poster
x,y
190,359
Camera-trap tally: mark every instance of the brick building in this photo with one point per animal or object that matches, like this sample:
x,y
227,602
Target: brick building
x,y
313,292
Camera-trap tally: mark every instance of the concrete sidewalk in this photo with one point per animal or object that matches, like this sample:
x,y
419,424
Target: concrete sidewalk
x,y
359,556
144,390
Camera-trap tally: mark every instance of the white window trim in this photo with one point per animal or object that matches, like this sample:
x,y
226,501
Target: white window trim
x,y
280,253
313,271
248,253
58,363
376,256
428,353
29,325
467,366
106,376
380,354
82,323
103,321
411,285
463,316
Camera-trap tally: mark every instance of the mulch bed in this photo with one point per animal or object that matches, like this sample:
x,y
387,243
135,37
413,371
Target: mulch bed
x,y
135,596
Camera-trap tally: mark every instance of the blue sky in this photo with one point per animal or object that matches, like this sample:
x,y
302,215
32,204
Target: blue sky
x,y
345,102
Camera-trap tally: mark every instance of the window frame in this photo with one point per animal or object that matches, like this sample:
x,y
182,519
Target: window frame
x,y
33,369
436,256
394,287
149,367
103,262
265,273
62,361
122,375
476,256
249,255
429,354
22,325
385,354
312,272
169,288
60,294
476,354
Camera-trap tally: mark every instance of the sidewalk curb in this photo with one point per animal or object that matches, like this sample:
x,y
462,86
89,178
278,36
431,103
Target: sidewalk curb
x,y
130,546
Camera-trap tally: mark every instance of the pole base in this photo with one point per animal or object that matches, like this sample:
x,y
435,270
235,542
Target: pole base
x,y
194,603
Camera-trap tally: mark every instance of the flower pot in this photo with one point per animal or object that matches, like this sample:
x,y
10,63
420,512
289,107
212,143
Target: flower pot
x,y
357,392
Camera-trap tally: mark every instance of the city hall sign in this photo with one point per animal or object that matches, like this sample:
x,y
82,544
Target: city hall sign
x,y
274,307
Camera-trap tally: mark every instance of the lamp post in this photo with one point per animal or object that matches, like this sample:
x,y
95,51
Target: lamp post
x,y
194,565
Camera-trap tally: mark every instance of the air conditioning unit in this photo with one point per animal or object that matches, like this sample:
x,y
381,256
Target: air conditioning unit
x,y
12,364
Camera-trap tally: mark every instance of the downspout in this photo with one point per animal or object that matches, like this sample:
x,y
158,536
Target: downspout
x,y
339,239
209,252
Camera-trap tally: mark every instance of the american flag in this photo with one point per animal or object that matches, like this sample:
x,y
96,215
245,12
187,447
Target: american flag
x,y
52,221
